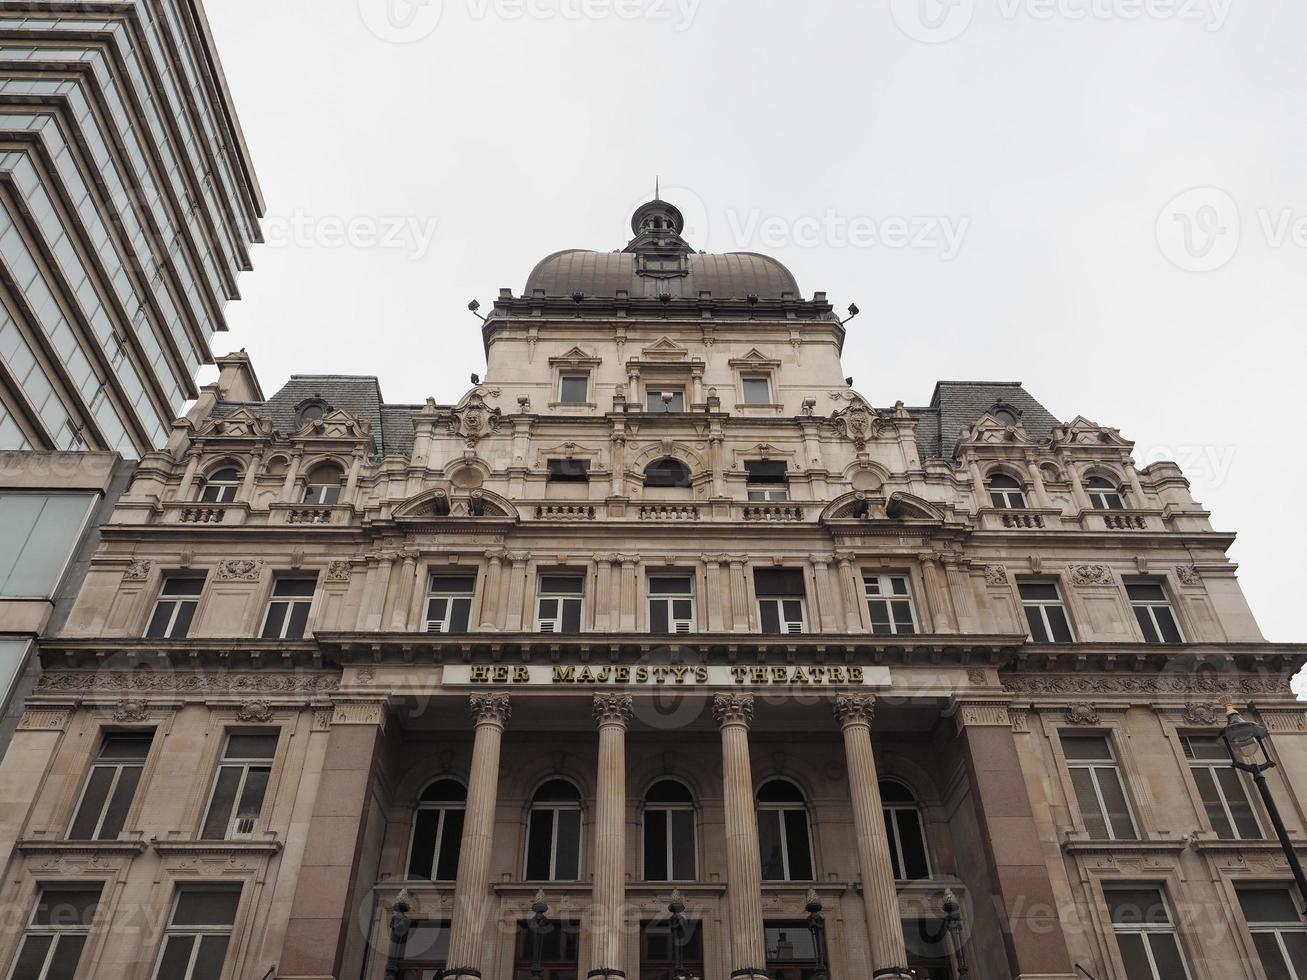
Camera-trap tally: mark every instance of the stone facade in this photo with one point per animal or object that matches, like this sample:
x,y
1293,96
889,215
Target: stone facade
x,y
662,608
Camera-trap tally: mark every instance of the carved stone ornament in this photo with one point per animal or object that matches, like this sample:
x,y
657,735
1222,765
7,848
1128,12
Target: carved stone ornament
x,y
858,424
259,712
239,570
131,710
198,682
612,709
475,419
1203,713
1082,714
996,575
855,709
733,709
1188,575
137,570
491,709
1091,575
1054,685
338,571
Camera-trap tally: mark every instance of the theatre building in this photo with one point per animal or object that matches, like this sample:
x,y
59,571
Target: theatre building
x,y
662,651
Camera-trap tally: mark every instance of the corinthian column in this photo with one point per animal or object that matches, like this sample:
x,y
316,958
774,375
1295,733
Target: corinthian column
x,y
472,890
734,712
889,954
612,712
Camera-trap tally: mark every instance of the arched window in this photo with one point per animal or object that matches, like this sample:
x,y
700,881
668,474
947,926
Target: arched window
x,y
667,472
221,486
906,831
438,831
783,838
669,847
1104,494
323,484
1006,493
553,836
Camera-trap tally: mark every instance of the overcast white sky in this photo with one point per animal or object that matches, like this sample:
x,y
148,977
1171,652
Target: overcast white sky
x,y
1104,199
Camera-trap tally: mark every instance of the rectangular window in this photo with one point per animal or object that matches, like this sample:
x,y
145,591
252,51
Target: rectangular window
x,y
791,953
175,607
199,929
780,600
288,609
13,655
56,932
757,389
558,603
658,950
110,786
1045,613
560,944
664,400
449,603
768,480
1145,934
569,470
1224,790
574,389
38,532
238,790
1279,933
1099,792
889,600
427,950
1153,611
671,604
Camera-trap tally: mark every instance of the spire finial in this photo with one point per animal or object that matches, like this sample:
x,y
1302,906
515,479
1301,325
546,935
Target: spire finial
x,y
658,189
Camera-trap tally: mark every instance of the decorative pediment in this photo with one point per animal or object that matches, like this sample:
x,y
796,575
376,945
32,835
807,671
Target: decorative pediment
x,y
991,431
240,424
1083,432
575,357
455,503
762,450
566,450
754,359
859,423
665,349
337,424
909,507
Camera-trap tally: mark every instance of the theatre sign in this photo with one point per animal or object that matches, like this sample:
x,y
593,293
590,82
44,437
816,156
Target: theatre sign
x,y
664,675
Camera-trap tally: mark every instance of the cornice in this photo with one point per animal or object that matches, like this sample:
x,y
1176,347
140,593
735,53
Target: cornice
x,y
216,848
36,845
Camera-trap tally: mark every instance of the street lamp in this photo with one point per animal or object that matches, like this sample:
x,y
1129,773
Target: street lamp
x,y
1246,742
953,923
676,930
400,924
538,925
817,929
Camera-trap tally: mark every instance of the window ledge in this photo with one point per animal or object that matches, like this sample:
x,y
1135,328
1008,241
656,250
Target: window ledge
x,y
268,846
1078,844
37,845
1207,843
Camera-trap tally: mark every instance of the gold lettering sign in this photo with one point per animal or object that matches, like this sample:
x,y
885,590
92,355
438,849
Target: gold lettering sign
x,y
666,676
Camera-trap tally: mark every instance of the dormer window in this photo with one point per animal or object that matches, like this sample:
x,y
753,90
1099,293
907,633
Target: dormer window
x,y
1005,492
1005,413
221,486
323,485
311,410
1104,494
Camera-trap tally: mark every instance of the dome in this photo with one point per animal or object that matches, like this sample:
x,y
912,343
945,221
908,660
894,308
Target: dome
x,y
733,275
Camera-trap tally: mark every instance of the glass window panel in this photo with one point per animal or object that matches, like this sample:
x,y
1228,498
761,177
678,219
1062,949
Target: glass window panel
x,y
769,845
1206,747
1268,905
1212,803
294,588
31,957
256,785
757,391
423,853
1086,748
119,803
1058,621
771,617
459,615
1135,959
683,845
1145,592
176,957
562,584
1134,906
213,951
1035,620
1039,591
655,845
1236,797
1146,625
299,618
67,953
1271,956
1091,812
451,842
1296,943
1166,955
276,617
539,845
224,797
567,862
658,617
250,745
37,535
572,616
1118,810
92,805
574,387
160,620
66,907
800,852
914,864
206,908
1166,624
182,624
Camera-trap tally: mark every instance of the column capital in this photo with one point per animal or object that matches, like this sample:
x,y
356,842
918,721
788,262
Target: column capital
x,y
855,709
612,709
733,709
491,709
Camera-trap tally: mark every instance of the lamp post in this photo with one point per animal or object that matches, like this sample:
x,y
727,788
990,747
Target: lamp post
x,y
538,925
1245,741
676,929
399,929
953,923
817,929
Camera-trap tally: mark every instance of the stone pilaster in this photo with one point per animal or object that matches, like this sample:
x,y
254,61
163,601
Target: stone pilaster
x,y
607,925
490,712
889,956
748,953
851,588
490,598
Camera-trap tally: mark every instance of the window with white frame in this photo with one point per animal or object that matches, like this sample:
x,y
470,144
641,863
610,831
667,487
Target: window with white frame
x,y
438,831
756,389
288,607
553,839
1276,923
558,603
323,484
889,601
671,603
906,831
449,602
38,534
221,486
768,480
1104,494
780,593
1045,613
669,837
239,786
1100,793
56,931
1145,934
574,388
179,595
1222,788
664,399
1005,492
199,931
110,786
1153,611
784,841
